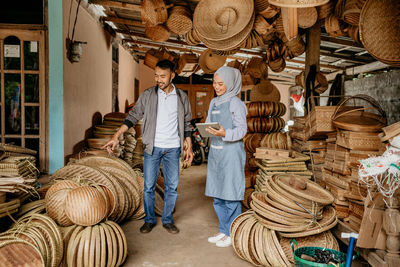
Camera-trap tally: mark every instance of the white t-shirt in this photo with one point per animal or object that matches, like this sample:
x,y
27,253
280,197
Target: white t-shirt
x,y
167,135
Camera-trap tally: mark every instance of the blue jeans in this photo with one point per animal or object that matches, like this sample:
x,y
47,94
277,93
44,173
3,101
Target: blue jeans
x,y
226,211
151,167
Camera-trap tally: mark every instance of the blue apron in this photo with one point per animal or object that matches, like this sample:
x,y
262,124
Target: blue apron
x,y
226,160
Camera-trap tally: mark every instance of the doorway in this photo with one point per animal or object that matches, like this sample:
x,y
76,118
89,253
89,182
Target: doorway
x,y
22,83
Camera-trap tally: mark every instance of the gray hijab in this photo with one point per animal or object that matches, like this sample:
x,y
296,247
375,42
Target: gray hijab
x,y
233,82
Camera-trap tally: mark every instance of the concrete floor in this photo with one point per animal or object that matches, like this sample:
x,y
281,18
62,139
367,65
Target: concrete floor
x,y
196,220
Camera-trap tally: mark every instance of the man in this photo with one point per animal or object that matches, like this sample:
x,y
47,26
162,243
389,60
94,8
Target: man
x,y
166,115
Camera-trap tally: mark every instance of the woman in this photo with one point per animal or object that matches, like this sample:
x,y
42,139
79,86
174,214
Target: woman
x,y
226,159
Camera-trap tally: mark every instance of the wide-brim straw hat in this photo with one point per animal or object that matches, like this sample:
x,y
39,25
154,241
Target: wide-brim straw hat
x,y
220,20
232,42
158,33
265,91
210,62
298,3
380,30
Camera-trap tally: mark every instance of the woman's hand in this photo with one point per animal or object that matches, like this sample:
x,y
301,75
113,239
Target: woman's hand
x,y
213,131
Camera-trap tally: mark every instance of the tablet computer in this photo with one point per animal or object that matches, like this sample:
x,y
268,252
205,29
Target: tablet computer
x,y
202,128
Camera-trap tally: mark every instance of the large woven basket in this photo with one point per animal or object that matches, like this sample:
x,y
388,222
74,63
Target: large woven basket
x,y
179,20
158,33
380,30
154,12
334,26
352,10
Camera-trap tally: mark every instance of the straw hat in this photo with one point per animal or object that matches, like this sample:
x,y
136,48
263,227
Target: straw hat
x,y
210,62
220,20
265,91
298,3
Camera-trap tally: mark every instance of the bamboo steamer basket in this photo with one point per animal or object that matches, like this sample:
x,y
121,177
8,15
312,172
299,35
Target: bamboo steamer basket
x,y
179,20
298,3
333,26
379,30
85,206
157,33
307,17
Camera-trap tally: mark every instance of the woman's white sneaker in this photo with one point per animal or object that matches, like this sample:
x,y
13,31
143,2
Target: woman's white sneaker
x,y
224,242
216,238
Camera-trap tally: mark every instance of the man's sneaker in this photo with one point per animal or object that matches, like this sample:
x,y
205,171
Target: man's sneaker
x,y
147,227
224,242
216,238
171,228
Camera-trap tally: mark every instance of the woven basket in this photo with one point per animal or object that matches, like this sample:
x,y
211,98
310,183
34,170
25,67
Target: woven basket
x,y
352,10
260,109
359,140
262,26
179,20
307,17
158,33
257,68
296,46
154,12
354,33
334,26
325,10
379,30
22,252
277,65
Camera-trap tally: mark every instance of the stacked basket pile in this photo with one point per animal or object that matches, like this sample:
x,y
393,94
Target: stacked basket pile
x,y
355,137
264,123
33,241
294,207
18,177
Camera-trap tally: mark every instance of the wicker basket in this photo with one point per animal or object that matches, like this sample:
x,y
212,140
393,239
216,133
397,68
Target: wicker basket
x,y
154,12
334,26
179,20
158,33
307,17
325,10
257,68
262,26
359,140
352,10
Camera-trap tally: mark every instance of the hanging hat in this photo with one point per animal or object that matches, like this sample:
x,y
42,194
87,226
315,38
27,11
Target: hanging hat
x,y
210,62
265,91
158,33
220,20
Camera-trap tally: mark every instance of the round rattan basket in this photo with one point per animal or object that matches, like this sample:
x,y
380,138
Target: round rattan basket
x,y
334,26
158,33
307,17
380,30
154,12
325,9
179,20
352,10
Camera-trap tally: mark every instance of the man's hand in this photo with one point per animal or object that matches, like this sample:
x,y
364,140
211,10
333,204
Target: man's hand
x,y
221,132
110,145
189,153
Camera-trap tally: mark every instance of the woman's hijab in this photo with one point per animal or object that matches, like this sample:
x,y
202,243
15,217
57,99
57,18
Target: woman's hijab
x,y
233,83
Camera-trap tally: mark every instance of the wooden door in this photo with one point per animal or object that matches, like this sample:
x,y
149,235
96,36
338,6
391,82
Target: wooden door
x,y
200,96
22,99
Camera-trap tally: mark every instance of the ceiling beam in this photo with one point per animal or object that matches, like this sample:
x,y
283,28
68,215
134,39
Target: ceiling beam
x,y
343,42
377,65
123,21
116,4
349,58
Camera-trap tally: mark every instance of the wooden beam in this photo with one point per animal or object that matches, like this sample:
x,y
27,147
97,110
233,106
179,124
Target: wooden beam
x,y
377,65
326,66
116,4
349,58
124,21
343,42
313,42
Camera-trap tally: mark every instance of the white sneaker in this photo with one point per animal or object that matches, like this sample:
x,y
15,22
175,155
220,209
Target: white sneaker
x,y
216,238
224,242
